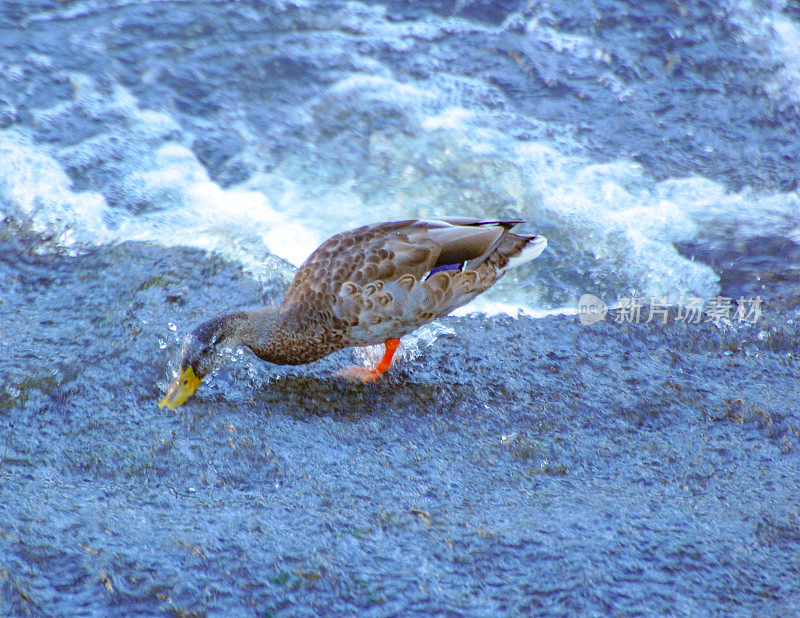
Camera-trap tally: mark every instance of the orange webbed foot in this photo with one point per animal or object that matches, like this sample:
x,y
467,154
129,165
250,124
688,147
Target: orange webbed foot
x,y
357,374
362,374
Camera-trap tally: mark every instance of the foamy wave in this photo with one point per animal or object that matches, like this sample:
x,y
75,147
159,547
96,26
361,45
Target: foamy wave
x,y
35,189
612,229
162,192
454,162
766,27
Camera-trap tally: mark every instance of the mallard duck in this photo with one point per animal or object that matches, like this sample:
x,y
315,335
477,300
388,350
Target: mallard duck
x,y
366,286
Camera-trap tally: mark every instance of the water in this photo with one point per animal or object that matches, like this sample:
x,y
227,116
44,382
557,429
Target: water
x,y
258,130
518,464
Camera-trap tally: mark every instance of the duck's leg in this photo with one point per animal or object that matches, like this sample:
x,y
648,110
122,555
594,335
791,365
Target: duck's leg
x,y
386,362
367,375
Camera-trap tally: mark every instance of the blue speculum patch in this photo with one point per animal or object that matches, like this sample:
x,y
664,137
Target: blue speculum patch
x,y
437,269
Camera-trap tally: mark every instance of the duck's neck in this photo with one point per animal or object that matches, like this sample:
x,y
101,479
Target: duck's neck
x,y
273,334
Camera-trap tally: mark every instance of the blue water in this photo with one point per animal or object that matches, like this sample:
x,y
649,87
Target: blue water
x,y
518,466
257,129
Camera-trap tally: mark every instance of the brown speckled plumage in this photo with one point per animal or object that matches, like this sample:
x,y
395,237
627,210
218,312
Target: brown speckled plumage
x,y
373,283
370,285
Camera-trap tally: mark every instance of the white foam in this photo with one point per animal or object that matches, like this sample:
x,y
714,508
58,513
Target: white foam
x,y
487,306
574,45
450,160
451,118
35,189
202,214
183,205
765,27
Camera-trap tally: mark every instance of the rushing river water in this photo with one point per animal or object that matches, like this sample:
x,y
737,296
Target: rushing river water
x,y
518,466
655,144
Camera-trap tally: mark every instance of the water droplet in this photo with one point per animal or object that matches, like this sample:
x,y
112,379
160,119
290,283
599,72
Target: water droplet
x,y
172,327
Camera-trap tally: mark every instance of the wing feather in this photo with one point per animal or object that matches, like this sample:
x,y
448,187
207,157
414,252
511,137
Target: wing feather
x,y
377,272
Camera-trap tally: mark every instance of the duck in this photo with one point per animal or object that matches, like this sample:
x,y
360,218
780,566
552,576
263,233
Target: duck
x,y
365,286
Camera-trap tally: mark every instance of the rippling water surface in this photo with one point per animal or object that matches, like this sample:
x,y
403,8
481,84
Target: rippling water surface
x,y
621,132
518,466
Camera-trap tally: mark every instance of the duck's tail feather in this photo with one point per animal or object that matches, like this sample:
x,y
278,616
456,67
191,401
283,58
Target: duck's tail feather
x,y
520,249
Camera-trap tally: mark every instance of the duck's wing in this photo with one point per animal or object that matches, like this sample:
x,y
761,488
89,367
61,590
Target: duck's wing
x,y
386,252
382,281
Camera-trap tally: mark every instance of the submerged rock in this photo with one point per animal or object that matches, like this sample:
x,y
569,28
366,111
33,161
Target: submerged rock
x,y
518,465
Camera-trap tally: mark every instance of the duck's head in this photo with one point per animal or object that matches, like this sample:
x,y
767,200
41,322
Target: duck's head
x,y
201,353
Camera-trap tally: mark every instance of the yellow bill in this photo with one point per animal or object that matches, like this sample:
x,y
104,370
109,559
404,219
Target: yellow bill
x,y
182,388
